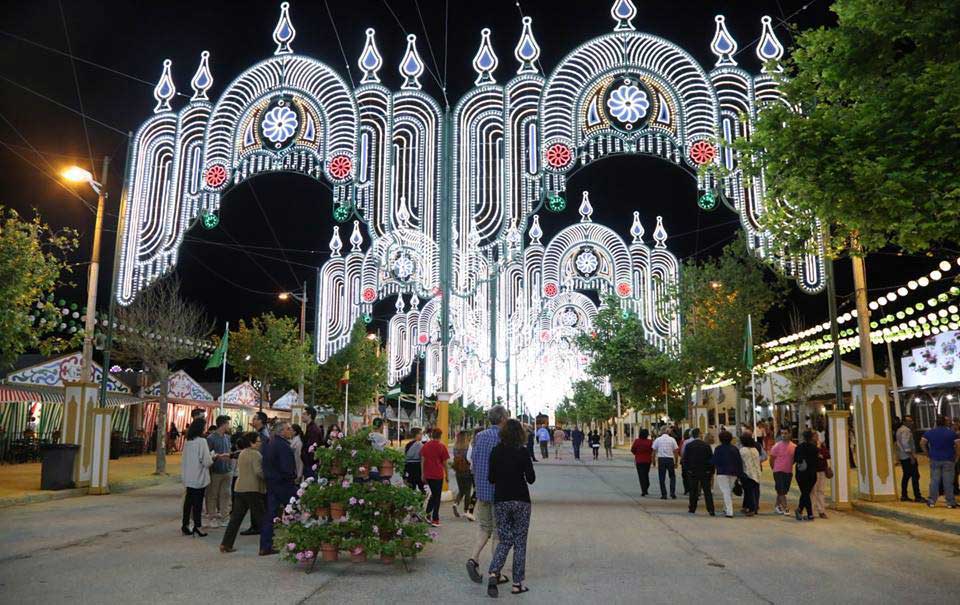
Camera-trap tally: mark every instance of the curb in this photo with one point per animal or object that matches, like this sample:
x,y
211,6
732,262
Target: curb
x,y
118,487
869,508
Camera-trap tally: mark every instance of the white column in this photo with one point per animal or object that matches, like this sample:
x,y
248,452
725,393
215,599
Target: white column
x,y
80,400
839,459
102,427
871,412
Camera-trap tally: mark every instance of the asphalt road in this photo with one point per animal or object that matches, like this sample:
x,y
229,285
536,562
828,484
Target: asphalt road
x,y
593,539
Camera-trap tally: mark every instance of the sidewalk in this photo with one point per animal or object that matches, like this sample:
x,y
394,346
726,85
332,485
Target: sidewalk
x,y
20,483
940,518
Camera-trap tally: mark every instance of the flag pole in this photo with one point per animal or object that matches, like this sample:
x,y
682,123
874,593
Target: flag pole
x,y
346,408
753,382
223,371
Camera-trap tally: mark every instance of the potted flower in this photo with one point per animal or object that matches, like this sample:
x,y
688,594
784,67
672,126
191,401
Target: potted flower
x,y
389,551
391,458
337,496
360,547
316,500
329,543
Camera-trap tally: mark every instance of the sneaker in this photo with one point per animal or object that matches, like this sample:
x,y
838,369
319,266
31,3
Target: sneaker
x,y
469,516
472,571
931,503
456,511
951,506
798,515
673,496
809,517
778,510
904,499
729,516
435,523
920,500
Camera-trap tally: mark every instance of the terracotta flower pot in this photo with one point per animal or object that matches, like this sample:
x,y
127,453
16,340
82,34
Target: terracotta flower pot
x,y
336,469
321,512
337,510
329,552
386,468
363,472
358,555
387,559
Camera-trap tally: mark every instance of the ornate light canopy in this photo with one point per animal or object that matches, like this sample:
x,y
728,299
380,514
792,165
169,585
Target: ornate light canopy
x,y
443,196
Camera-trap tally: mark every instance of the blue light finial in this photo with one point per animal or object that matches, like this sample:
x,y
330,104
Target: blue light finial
x,y
165,89
723,44
411,67
535,231
623,12
370,60
284,33
769,48
586,208
202,80
527,51
485,61
636,229
335,244
660,234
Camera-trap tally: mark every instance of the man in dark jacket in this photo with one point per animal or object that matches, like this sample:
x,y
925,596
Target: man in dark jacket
x,y
530,444
280,474
577,438
312,438
697,465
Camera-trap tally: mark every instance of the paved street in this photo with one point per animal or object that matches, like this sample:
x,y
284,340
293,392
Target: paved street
x,y
593,538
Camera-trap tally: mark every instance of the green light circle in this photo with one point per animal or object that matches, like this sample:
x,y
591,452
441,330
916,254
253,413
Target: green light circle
x,y
342,212
209,220
707,201
556,203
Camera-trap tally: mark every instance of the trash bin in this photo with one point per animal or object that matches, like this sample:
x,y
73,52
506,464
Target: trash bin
x,y
116,442
56,469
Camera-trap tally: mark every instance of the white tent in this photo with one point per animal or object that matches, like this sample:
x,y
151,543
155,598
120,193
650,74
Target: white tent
x,y
286,401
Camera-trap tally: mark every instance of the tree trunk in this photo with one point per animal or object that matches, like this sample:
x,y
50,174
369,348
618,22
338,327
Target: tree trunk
x,y
162,375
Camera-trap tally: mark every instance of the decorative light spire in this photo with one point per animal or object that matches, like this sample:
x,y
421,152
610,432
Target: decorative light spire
x,y
356,238
335,244
370,60
414,301
723,44
660,234
586,209
636,229
513,236
411,67
527,51
202,80
165,89
769,48
403,216
623,12
284,33
485,61
399,306
535,231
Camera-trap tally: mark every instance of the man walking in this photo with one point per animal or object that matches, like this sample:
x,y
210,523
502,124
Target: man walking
x,y
665,447
907,452
483,444
941,445
576,438
543,436
698,467
221,475
558,437
259,424
280,473
781,459
530,438
313,437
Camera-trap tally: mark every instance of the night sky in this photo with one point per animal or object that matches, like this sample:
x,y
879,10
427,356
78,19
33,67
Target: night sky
x,y
274,229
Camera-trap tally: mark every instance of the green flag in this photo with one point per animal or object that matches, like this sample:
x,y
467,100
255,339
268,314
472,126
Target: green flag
x,y
748,345
220,354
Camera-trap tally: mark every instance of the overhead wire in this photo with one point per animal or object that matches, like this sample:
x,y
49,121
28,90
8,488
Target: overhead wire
x,y
76,84
406,32
59,104
780,23
336,33
266,220
436,65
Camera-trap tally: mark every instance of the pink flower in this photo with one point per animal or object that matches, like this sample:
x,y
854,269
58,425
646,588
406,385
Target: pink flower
x,y
417,545
353,453
400,532
299,556
314,467
291,546
308,554
361,501
376,529
434,535
300,493
345,483
376,513
362,469
353,501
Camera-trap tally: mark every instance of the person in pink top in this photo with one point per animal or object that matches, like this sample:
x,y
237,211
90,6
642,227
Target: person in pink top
x,y
781,460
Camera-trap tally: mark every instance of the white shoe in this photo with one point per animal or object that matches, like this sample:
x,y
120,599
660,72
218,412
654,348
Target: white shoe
x,y
470,516
778,510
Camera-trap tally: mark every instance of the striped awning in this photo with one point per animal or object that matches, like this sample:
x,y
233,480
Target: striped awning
x,y
44,394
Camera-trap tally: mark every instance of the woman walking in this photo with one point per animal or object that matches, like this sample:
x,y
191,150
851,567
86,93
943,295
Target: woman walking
x,y
642,450
195,463
594,441
729,465
250,490
750,459
433,457
464,474
510,472
558,437
823,469
805,458
608,443
296,444
412,473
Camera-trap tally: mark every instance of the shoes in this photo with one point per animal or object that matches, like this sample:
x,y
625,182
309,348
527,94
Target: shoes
x,y
226,549
798,515
472,571
692,512
434,523
186,531
809,517
712,514
663,497
951,506
213,523
729,516
250,532
673,496
904,499
786,513
267,553
456,511
931,503
823,515
920,499
750,513
469,516
643,495
198,533
778,510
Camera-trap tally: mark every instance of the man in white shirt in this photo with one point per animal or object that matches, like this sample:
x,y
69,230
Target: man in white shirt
x,y
665,449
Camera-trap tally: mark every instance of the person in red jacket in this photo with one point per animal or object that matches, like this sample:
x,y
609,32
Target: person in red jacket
x,y
642,450
433,457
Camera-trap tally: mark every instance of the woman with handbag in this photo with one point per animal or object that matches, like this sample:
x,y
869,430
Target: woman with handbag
x,y
729,465
805,458
750,478
195,463
464,474
824,474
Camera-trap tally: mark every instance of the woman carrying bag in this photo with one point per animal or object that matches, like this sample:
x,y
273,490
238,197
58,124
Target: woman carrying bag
x,y
195,463
824,474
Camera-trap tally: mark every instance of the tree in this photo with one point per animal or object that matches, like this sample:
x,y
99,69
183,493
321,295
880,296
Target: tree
x,y
269,349
869,136
160,329
368,373
802,377
32,263
590,402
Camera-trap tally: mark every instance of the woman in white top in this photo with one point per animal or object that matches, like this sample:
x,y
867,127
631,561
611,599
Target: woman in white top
x,y
296,444
195,463
751,475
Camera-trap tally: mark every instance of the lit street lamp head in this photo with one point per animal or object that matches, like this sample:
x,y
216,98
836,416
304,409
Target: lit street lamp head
x,y
77,174
283,295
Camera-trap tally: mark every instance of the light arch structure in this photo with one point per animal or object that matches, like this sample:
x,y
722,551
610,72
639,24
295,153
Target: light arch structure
x,y
439,197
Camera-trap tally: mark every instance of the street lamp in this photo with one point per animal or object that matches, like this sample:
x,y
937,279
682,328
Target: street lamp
x,y
302,298
79,175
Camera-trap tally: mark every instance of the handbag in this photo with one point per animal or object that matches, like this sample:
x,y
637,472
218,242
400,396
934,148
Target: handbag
x,y
829,472
737,488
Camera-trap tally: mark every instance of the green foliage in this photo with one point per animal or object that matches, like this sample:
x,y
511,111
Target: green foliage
x,y
589,403
269,349
368,373
32,261
873,149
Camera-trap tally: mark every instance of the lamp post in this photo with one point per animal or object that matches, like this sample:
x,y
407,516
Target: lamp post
x,y
302,298
79,175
